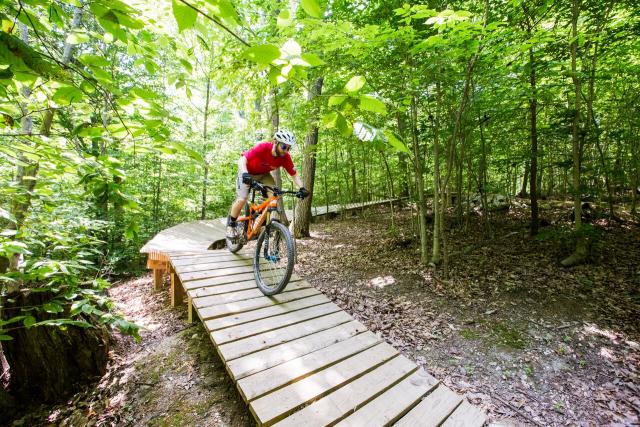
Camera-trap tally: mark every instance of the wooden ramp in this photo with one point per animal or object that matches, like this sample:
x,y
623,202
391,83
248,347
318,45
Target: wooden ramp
x,y
298,359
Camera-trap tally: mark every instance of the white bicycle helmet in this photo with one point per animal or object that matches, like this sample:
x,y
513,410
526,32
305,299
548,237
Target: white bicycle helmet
x,y
285,137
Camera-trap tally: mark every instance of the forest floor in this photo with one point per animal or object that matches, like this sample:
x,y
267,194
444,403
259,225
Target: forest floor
x,y
507,327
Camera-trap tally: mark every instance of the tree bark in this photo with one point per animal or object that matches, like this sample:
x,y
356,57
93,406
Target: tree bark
x,y
48,363
580,253
437,211
302,216
417,164
205,146
533,111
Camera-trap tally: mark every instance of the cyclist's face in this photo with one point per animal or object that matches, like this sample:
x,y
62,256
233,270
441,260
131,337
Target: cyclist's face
x,y
282,148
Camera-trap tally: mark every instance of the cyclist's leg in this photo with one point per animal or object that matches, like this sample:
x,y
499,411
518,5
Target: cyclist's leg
x,y
267,179
242,192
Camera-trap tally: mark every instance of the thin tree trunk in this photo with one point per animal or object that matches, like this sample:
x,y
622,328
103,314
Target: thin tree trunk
x,y
580,252
437,211
302,216
417,163
402,158
205,147
533,111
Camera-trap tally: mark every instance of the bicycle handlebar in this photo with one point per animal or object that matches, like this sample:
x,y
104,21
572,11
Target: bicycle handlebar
x,y
277,191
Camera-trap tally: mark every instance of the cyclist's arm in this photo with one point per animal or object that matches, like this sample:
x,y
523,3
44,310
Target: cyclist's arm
x,y
242,164
297,181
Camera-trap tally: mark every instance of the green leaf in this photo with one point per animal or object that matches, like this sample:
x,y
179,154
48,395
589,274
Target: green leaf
x,y
396,142
67,95
224,9
355,84
262,54
312,8
185,16
77,37
345,128
7,215
96,60
336,100
187,65
369,103
5,338
312,59
29,321
329,119
284,18
53,307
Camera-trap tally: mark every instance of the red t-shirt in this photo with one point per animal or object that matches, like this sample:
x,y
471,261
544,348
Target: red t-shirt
x,y
260,160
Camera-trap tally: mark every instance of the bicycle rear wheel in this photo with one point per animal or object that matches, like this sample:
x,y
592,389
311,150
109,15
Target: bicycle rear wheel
x,y
274,258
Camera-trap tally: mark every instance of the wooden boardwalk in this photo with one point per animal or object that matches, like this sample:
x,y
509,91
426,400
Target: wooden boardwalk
x,y
298,359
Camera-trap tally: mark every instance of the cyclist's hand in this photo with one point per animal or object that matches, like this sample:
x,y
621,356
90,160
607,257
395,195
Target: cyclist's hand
x,y
246,178
302,193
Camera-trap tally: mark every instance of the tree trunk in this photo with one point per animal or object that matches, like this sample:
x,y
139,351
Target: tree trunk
x,y
302,216
402,158
48,363
417,163
525,180
354,181
205,147
580,253
437,211
533,111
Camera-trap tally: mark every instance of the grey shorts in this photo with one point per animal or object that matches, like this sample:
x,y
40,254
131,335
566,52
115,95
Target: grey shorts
x,y
242,190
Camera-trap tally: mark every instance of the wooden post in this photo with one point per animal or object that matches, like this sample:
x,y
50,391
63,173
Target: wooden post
x,y
177,293
159,268
189,310
157,279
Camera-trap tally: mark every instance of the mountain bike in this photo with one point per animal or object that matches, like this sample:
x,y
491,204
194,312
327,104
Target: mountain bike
x,y
275,252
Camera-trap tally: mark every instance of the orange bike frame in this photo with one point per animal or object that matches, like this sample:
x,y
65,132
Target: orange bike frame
x,y
253,227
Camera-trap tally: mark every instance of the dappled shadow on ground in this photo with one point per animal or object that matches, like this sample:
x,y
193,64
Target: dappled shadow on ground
x,y
505,325
171,378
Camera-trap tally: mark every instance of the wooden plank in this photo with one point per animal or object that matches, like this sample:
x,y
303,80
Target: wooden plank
x,y
267,312
275,406
221,272
202,259
212,311
194,284
272,323
351,397
252,292
265,359
433,409
466,415
266,381
393,403
212,265
294,283
245,346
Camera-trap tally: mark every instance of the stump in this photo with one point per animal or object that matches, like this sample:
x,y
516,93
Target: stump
x,y
47,363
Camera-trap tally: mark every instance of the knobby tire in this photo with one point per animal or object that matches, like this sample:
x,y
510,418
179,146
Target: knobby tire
x,y
271,271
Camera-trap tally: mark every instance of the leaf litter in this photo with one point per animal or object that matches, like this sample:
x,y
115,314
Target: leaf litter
x,y
507,326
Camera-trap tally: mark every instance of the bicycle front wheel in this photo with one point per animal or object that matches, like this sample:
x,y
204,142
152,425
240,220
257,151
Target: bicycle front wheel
x,y
274,258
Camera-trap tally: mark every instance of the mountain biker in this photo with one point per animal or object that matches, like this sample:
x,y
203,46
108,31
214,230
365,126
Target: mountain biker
x,y
257,165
